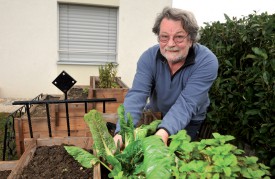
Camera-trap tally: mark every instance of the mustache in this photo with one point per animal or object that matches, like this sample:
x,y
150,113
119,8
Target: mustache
x,y
171,48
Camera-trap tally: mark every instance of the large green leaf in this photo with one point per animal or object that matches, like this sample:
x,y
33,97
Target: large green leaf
x,y
103,141
130,157
260,52
158,160
146,130
126,125
85,158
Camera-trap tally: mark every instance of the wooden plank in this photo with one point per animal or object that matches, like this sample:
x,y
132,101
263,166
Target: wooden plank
x,y
83,142
62,133
19,136
38,124
94,79
109,107
76,123
108,117
42,125
80,123
54,113
77,110
97,171
8,165
118,93
74,110
24,160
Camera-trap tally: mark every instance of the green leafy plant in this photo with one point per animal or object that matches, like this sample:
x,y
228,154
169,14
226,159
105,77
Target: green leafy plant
x,y
146,156
128,162
3,117
107,76
86,91
243,94
7,120
213,158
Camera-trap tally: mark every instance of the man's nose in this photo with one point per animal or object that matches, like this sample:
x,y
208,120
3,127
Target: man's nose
x,y
171,42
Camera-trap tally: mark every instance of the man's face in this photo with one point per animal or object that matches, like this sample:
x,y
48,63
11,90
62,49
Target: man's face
x,y
174,41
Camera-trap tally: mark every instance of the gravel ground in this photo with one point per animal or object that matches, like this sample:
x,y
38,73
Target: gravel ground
x,y
6,104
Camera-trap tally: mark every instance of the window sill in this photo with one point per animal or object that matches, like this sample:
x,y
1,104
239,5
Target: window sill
x,y
82,63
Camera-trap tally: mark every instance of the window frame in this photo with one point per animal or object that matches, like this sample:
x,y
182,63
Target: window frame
x,y
91,61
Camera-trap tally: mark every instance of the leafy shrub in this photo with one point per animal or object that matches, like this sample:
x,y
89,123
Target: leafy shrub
x,y
243,96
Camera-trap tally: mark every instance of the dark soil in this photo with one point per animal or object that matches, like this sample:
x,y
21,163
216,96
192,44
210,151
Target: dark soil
x,y
77,93
54,162
4,174
73,93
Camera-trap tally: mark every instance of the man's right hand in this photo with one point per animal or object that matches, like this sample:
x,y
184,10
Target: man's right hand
x,y
163,134
117,138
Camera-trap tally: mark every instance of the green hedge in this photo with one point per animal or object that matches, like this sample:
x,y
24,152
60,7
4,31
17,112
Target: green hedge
x,y
243,96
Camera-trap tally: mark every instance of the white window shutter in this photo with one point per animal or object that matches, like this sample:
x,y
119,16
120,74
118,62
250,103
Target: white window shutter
x,y
87,34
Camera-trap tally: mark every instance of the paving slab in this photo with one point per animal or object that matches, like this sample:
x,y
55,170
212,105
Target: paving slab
x,y
6,104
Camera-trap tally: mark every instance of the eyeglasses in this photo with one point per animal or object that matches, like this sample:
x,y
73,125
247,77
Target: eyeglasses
x,y
177,39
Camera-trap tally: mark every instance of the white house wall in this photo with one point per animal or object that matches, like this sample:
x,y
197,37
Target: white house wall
x,y
29,43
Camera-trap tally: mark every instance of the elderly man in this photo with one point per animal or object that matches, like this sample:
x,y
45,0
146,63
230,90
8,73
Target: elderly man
x,y
175,75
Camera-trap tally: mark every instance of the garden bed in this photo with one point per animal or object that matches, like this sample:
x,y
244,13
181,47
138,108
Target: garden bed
x,y
54,162
96,92
47,158
58,120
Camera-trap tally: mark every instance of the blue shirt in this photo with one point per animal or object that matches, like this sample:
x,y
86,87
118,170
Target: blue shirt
x,y
181,97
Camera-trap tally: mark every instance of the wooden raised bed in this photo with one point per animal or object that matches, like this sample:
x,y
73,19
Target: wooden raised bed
x,y
39,123
118,93
58,120
78,127
76,113
32,144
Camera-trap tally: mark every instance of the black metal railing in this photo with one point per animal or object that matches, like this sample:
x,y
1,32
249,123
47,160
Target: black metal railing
x,y
9,144
9,137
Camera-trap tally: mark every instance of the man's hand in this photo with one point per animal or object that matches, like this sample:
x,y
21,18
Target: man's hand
x,y
117,138
163,134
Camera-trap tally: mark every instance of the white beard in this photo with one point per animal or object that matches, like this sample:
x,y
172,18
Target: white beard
x,y
177,60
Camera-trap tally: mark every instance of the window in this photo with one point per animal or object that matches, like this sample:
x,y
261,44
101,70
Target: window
x,y
87,34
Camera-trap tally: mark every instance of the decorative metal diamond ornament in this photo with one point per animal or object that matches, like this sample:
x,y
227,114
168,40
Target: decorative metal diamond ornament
x,y
64,82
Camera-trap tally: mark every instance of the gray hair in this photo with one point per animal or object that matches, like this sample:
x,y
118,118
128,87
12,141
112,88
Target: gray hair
x,y
188,21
